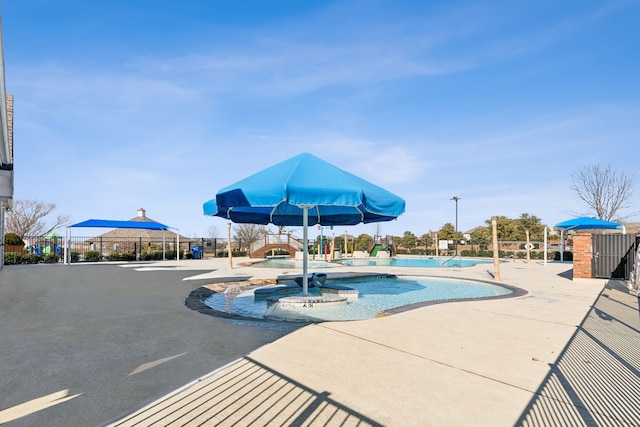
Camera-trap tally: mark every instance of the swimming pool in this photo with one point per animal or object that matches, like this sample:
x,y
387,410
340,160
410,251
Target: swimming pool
x,y
292,263
375,296
428,262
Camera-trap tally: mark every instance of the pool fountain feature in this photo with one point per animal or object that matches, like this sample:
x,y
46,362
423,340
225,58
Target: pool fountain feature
x,y
279,296
341,290
275,290
313,280
300,302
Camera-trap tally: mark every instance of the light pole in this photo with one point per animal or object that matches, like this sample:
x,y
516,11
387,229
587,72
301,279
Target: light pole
x,y
456,198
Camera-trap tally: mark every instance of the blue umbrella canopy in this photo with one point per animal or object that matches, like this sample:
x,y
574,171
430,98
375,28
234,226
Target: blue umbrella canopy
x,y
301,191
279,194
587,223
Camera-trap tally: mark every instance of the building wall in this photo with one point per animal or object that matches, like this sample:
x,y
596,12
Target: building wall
x,y
6,150
10,125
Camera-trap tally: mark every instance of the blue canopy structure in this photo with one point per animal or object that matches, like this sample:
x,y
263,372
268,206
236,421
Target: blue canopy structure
x,y
587,223
106,223
301,191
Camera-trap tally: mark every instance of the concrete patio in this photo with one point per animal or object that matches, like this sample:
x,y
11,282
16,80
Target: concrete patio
x,y
566,353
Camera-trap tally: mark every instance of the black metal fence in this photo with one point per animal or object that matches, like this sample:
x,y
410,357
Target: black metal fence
x,y
123,248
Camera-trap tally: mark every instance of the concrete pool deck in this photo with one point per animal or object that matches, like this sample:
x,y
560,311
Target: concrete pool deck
x,y
566,353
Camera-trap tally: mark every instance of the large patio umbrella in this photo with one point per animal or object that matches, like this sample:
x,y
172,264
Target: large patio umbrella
x,y
302,191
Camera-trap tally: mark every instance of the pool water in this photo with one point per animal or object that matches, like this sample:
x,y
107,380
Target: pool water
x,y
375,296
433,262
292,263
415,262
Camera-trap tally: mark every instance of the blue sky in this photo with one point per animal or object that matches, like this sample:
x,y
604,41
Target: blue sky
x,y
159,104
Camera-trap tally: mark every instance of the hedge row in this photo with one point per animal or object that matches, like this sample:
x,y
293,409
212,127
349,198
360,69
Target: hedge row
x,y
555,255
15,258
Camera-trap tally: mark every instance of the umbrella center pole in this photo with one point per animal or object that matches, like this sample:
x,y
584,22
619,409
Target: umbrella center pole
x,y
305,250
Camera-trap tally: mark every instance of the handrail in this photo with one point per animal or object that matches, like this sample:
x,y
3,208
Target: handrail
x,y
275,239
456,255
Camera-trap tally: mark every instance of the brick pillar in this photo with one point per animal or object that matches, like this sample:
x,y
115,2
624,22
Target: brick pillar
x,y
582,256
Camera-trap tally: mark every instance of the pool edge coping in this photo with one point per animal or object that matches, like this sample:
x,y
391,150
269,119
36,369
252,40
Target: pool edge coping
x,y
195,300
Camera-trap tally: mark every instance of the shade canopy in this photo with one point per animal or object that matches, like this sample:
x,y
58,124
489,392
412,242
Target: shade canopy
x,y
277,195
301,191
587,223
107,223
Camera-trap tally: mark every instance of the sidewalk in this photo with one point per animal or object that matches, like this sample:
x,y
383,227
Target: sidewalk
x,y
550,357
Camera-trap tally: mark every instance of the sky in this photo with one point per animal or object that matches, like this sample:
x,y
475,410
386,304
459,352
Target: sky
x,y
158,104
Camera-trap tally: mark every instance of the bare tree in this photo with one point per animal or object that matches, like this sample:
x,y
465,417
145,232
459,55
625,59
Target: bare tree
x,y
603,190
248,233
29,218
213,232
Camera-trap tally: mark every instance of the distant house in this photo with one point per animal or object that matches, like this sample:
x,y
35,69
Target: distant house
x,y
467,234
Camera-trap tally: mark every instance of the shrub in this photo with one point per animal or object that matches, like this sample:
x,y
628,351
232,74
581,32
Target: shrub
x,y
477,253
31,259
92,256
12,258
13,239
157,255
51,258
567,256
151,256
75,256
122,257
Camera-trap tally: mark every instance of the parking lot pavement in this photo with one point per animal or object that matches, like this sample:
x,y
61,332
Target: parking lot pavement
x,y
86,344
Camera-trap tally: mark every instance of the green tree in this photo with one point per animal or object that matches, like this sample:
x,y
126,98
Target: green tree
x,y
363,242
426,240
13,239
481,236
507,228
447,232
408,240
514,230
531,223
